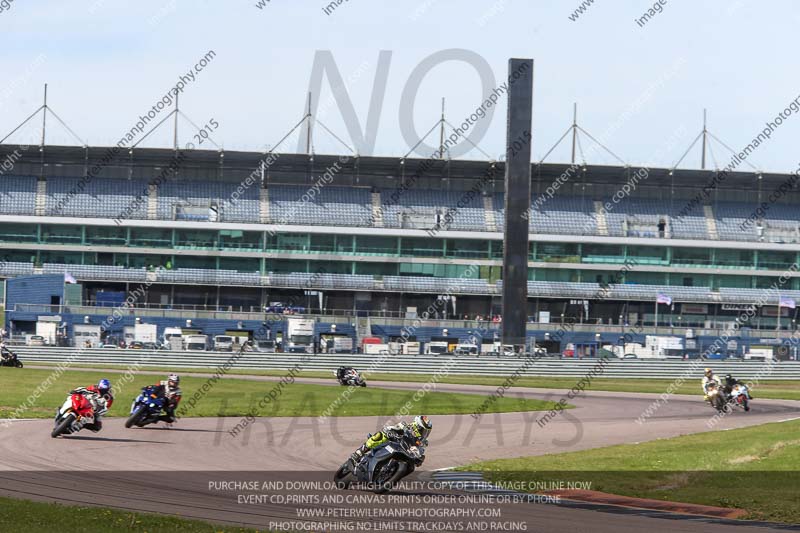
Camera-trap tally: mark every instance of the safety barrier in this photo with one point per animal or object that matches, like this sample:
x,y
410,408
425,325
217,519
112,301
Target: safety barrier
x,y
404,364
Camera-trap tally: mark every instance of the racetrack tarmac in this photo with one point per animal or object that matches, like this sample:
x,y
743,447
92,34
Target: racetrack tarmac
x,y
131,468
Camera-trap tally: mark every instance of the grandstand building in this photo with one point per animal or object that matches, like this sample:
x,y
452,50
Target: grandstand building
x,y
364,242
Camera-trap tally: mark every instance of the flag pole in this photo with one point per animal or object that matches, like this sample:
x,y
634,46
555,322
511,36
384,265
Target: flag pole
x,y
656,315
779,312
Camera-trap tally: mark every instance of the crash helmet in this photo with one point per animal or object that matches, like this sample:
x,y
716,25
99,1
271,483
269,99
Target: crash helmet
x,y
728,377
173,380
103,386
709,372
422,426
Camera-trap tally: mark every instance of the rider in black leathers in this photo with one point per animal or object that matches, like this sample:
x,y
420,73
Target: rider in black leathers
x,y
728,384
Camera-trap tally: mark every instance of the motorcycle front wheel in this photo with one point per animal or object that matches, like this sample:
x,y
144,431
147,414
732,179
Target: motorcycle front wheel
x,y
19,364
386,475
342,477
135,418
63,425
719,403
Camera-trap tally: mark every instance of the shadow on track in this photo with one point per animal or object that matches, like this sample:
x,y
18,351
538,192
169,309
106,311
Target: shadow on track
x,y
165,428
109,439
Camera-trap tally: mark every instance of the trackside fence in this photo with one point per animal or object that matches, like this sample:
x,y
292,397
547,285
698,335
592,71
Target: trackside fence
x,y
404,364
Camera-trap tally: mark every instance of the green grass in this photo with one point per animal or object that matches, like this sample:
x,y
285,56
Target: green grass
x,y
755,468
778,389
36,517
235,397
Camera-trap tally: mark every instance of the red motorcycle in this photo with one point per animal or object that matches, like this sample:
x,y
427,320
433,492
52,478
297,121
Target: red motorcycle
x,y
76,411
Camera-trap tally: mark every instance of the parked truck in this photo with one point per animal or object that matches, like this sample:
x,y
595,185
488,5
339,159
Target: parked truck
x,y
223,343
438,346
87,335
299,335
47,330
196,343
173,339
145,333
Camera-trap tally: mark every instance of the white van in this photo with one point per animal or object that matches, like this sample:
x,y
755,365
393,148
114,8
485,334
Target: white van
x,y
223,343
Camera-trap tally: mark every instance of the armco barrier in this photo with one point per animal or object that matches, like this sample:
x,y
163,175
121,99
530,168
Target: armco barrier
x,y
420,364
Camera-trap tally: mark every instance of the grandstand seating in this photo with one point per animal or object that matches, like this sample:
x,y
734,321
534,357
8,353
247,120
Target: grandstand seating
x,y
172,197
730,217
329,205
564,215
11,269
469,215
352,206
109,198
541,289
17,195
96,272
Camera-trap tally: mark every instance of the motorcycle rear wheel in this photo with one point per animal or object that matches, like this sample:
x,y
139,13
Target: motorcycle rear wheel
x,y
62,427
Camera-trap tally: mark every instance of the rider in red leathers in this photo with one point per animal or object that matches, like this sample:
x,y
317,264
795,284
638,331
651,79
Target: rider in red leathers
x,y
101,399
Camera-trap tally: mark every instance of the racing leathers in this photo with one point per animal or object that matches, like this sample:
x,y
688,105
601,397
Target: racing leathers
x,y
344,372
101,403
707,380
173,397
398,432
729,383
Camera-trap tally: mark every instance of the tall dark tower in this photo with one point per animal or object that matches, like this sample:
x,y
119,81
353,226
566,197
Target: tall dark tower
x,y
518,200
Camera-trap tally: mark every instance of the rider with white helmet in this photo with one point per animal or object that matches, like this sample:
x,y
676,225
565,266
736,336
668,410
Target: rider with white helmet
x,y
417,431
170,389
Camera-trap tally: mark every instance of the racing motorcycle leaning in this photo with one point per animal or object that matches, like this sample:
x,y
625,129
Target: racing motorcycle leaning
x,y
383,466
146,408
350,377
715,396
9,358
740,396
77,411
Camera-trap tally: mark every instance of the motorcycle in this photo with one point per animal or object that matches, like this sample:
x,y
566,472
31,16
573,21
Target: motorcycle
x,y
740,396
146,408
715,396
351,378
74,413
10,359
382,467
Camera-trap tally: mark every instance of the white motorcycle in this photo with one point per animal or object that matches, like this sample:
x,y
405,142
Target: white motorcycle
x,y
740,396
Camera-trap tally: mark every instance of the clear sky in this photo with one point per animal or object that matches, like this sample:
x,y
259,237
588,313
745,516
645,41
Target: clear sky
x,y
109,61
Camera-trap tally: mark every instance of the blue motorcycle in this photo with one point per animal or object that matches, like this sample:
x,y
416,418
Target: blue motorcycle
x,y
146,408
